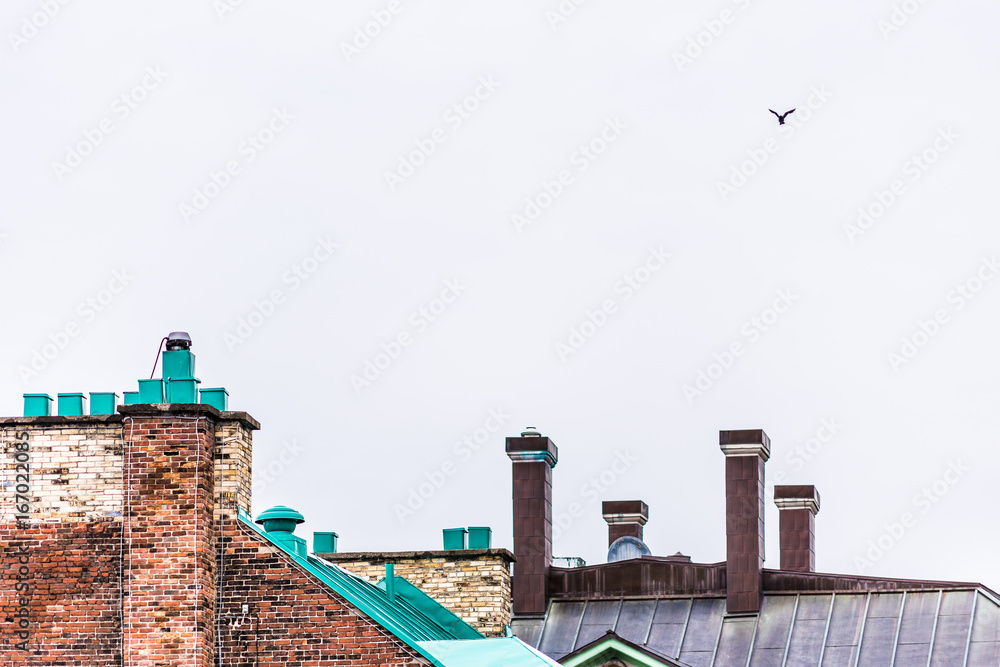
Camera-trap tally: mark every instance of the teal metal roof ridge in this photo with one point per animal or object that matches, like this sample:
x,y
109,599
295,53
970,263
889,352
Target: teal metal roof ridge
x,y
428,606
419,621
400,618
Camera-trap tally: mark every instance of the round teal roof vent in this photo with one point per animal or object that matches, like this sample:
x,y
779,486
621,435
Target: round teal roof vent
x,y
280,519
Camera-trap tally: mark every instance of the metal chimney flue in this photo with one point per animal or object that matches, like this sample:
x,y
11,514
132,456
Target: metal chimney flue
x,y
180,382
178,340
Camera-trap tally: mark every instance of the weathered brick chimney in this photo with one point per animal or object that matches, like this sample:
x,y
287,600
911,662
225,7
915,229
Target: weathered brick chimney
x,y
625,518
533,456
169,559
798,507
119,514
746,452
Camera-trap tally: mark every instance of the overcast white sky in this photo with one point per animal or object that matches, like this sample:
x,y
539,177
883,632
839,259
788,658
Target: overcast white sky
x,y
101,191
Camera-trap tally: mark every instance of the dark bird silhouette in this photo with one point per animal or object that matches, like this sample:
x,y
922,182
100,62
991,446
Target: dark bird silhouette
x,y
781,116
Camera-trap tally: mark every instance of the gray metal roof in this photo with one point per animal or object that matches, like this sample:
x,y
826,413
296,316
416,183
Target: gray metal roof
x,y
946,628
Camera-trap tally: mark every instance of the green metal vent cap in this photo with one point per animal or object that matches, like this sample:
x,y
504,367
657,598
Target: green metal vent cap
x,y
280,519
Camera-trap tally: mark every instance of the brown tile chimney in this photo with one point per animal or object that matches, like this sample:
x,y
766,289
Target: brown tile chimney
x,y
533,456
746,452
798,507
624,517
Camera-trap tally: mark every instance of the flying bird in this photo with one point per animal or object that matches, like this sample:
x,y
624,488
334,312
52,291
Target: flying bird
x,y
781,116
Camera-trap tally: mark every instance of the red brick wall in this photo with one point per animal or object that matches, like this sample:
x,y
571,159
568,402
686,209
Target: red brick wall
x,y
170,544
62,576
60,582
74,613
292,620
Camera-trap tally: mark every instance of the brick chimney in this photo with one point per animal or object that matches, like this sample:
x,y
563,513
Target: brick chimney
x,y
624,517
169,558
798,507
124,548
533,456
746,452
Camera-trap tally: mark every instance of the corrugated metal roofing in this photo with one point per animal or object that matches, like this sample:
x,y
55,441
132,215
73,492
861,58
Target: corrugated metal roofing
x,y
946,628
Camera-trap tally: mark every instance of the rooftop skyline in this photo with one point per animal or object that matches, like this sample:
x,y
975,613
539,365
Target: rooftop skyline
x,y
398,233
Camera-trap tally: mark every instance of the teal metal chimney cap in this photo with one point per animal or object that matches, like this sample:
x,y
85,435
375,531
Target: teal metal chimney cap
x,y
280,518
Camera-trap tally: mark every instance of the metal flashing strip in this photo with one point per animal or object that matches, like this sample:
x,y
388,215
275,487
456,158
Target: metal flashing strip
x,y
576,636
687,621
937,612
621,519
899,623
989,597
968,637
788,640
618,614
797,504
718,640
826,631
649,630
533,457
747,449
864,622
756,625
545,624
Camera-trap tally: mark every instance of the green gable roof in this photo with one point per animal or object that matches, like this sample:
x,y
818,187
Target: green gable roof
x,y
414,617
611,646
432,609
430,622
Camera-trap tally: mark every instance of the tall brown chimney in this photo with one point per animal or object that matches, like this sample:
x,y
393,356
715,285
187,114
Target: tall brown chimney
x,y
624,517
798,507
746,452
533,456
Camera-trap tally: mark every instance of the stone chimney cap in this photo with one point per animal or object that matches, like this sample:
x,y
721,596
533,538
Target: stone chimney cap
x,y
625,511
532,448
753,442
797,497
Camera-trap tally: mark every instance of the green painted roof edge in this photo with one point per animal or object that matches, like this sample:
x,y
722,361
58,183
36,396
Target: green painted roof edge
x,y
597,655
400,618
433,609
484,645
